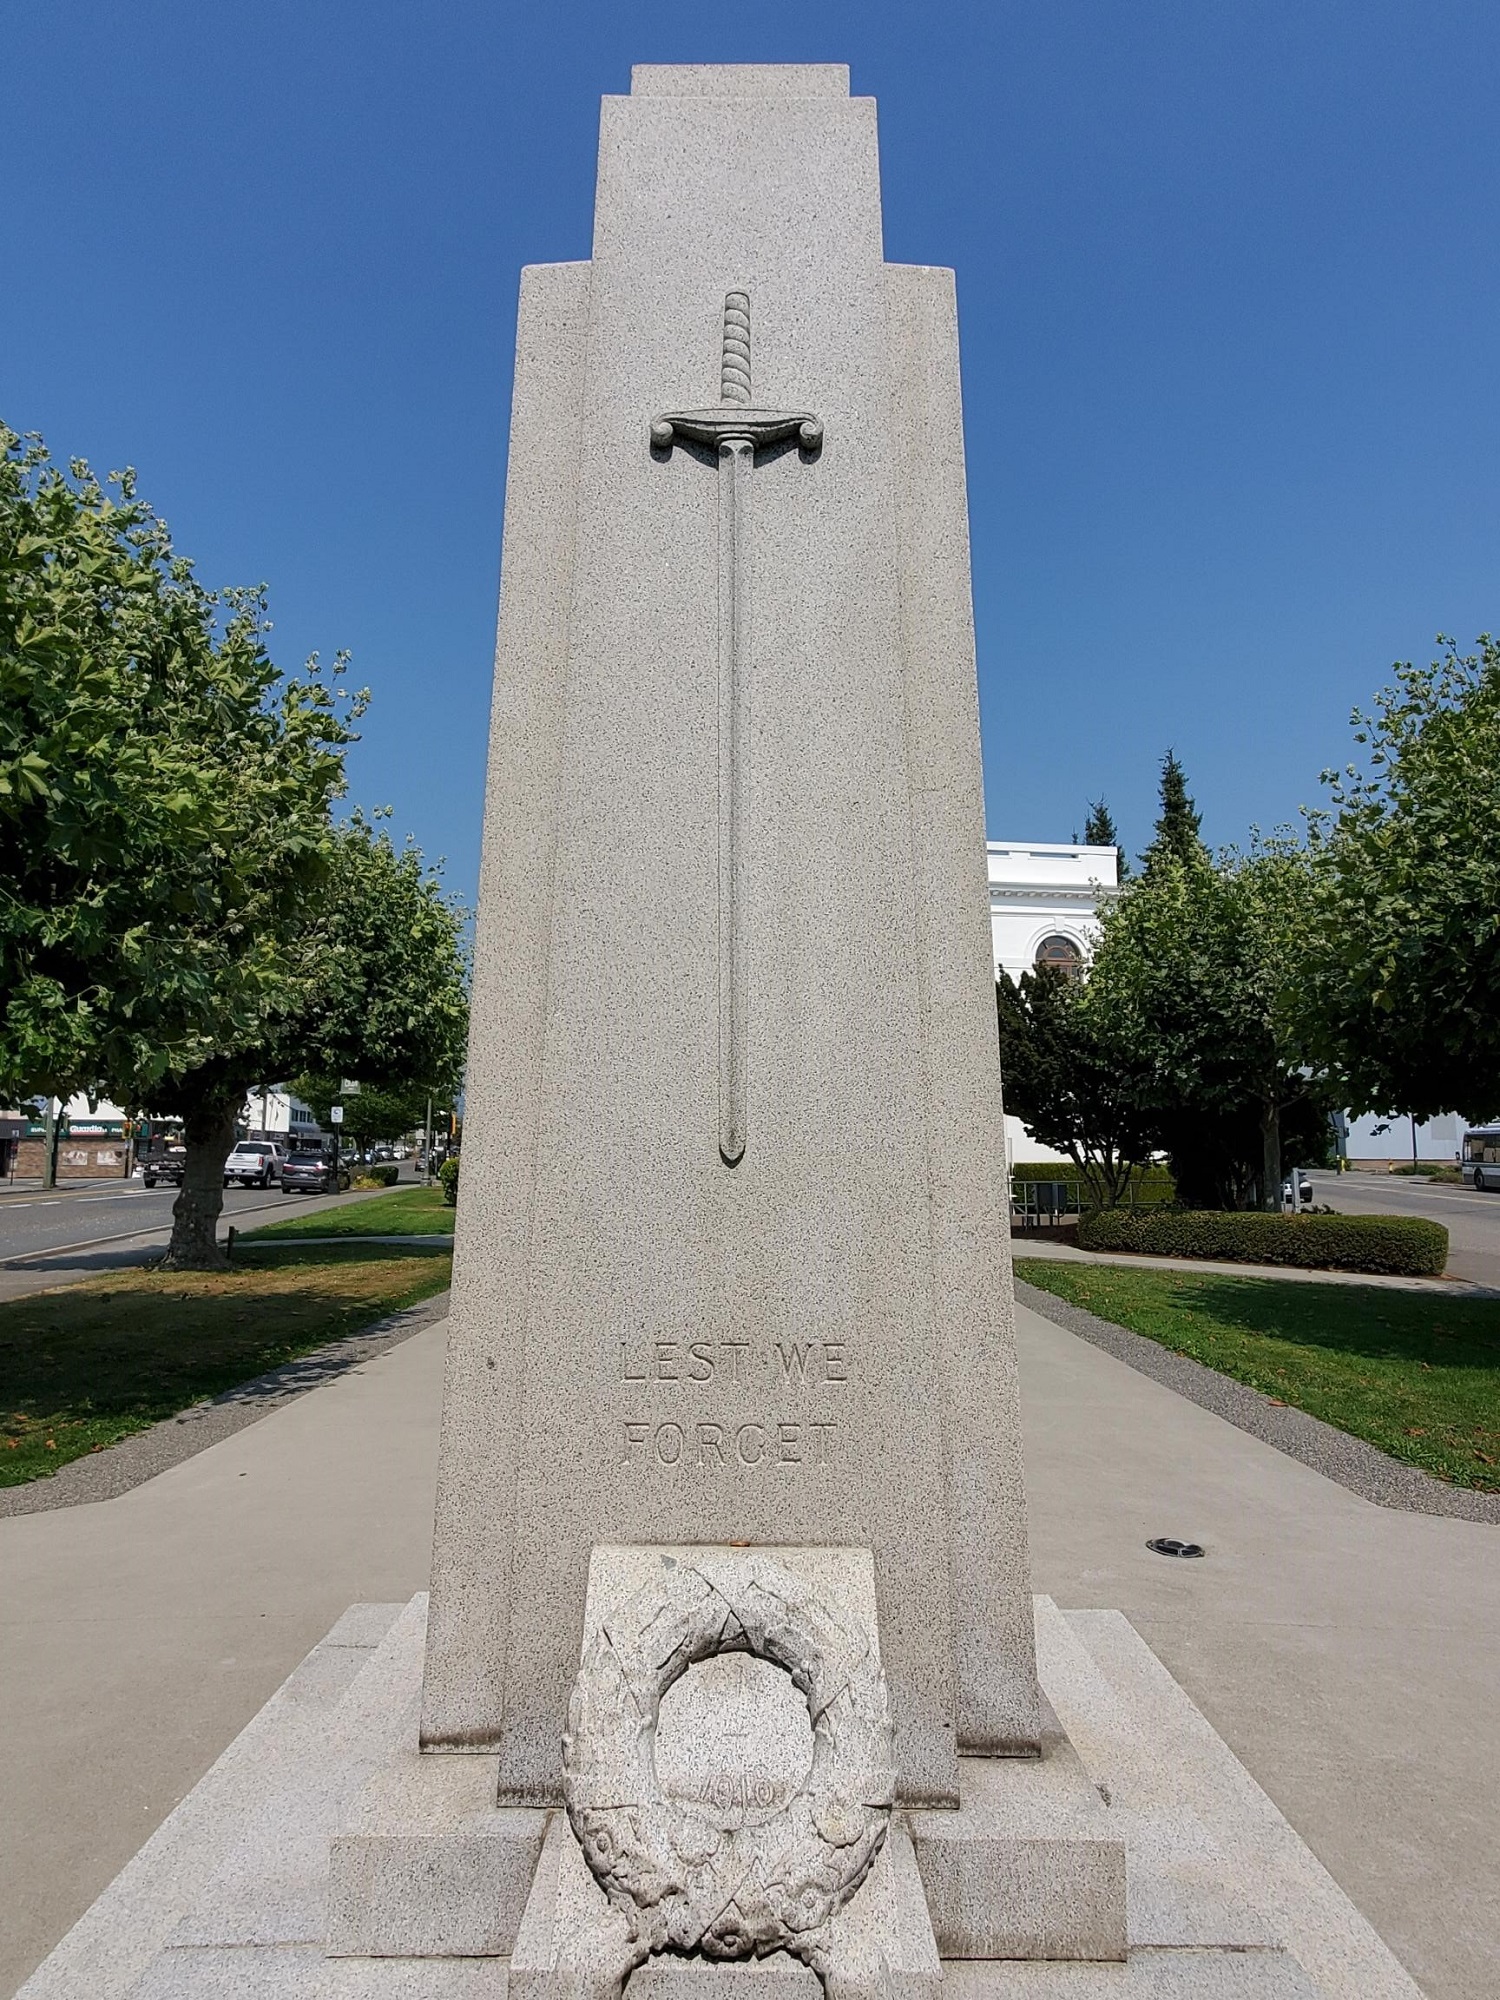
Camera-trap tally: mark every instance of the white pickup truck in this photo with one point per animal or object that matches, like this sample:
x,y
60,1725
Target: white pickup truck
x,y
254,1163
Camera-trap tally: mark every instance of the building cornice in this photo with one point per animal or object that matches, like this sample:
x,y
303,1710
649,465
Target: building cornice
x,y
1090,895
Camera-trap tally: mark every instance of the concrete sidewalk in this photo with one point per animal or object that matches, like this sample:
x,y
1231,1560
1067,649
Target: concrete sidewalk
x,y
1347,1653
140,1634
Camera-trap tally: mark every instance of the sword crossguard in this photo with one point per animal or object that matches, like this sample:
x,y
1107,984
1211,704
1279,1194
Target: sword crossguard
x,y
731,421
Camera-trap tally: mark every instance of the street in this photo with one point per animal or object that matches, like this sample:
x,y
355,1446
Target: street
x,y
1471,1220
35,1222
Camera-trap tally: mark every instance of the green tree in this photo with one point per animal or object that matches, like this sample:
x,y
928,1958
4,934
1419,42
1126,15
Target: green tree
x,y
1099,831
1401,980
164,794
1196,972
1069,1081
179,917
378,994
370,1114
1176,838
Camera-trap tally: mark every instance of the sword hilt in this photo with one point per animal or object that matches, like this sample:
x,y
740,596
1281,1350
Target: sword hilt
x,y
735,416
734,370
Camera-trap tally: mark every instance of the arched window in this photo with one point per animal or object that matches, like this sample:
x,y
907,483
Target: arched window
x,y
1062,954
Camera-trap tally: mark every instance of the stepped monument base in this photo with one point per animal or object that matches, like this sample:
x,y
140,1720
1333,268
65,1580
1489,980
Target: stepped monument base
x,y
1224,1901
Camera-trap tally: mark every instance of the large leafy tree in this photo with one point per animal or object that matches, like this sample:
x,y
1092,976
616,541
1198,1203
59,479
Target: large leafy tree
x,y
1196,972
394,951
1402,984
376,992
1070,1081
164,793
179,917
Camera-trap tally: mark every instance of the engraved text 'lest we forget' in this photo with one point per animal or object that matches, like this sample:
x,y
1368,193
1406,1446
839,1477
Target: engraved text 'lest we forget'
x,y
668,1369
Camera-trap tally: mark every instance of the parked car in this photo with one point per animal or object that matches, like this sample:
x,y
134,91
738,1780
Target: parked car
x,y
168,1166
254,1163
313,1173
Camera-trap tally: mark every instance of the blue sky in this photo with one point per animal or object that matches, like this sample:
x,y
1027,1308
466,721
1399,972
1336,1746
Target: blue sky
x,y
1229,279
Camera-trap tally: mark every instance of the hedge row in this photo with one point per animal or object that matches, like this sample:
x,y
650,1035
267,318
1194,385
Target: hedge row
x,y
383,1173
1403,1244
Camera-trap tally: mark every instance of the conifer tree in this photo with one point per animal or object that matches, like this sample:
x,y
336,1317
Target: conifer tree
x,y
1099,830
1177,838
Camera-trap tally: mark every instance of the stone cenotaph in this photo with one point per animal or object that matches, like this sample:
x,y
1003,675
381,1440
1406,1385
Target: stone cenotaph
x,y
729,1677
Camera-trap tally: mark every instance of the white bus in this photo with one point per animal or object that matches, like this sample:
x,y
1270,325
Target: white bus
x,y
1482,1158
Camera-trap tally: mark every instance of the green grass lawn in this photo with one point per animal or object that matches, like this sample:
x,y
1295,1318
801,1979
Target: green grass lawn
x,y
1414,1373
409,1211
88,1364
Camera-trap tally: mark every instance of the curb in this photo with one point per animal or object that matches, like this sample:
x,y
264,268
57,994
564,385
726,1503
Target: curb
x,y
262,1239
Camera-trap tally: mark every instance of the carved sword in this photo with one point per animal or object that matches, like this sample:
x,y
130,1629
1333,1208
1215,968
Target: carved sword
x,y
738,429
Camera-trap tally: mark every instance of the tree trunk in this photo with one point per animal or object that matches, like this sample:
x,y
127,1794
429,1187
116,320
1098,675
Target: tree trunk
x,y
1270,1157
208,1134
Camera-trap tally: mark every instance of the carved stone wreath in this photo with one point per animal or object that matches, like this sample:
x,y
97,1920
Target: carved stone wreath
x,y
682,1883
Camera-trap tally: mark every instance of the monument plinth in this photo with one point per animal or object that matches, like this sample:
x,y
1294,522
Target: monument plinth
x,y
730,1675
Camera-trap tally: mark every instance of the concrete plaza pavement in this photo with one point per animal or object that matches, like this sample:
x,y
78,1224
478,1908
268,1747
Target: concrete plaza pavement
x,y
142,1633
1346,1652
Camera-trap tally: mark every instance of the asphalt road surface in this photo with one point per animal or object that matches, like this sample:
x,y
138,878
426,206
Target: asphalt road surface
x,y
1471,1220
33,1222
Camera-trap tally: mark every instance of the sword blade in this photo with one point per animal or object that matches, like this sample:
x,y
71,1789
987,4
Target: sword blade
x,y
736,458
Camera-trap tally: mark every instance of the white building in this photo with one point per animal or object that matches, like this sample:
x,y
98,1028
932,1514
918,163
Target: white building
x,y
274,1113
1378,1144
1044,905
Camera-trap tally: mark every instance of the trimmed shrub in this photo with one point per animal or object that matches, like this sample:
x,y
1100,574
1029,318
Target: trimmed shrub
x,y
1405,1245
448,1180
382,1174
